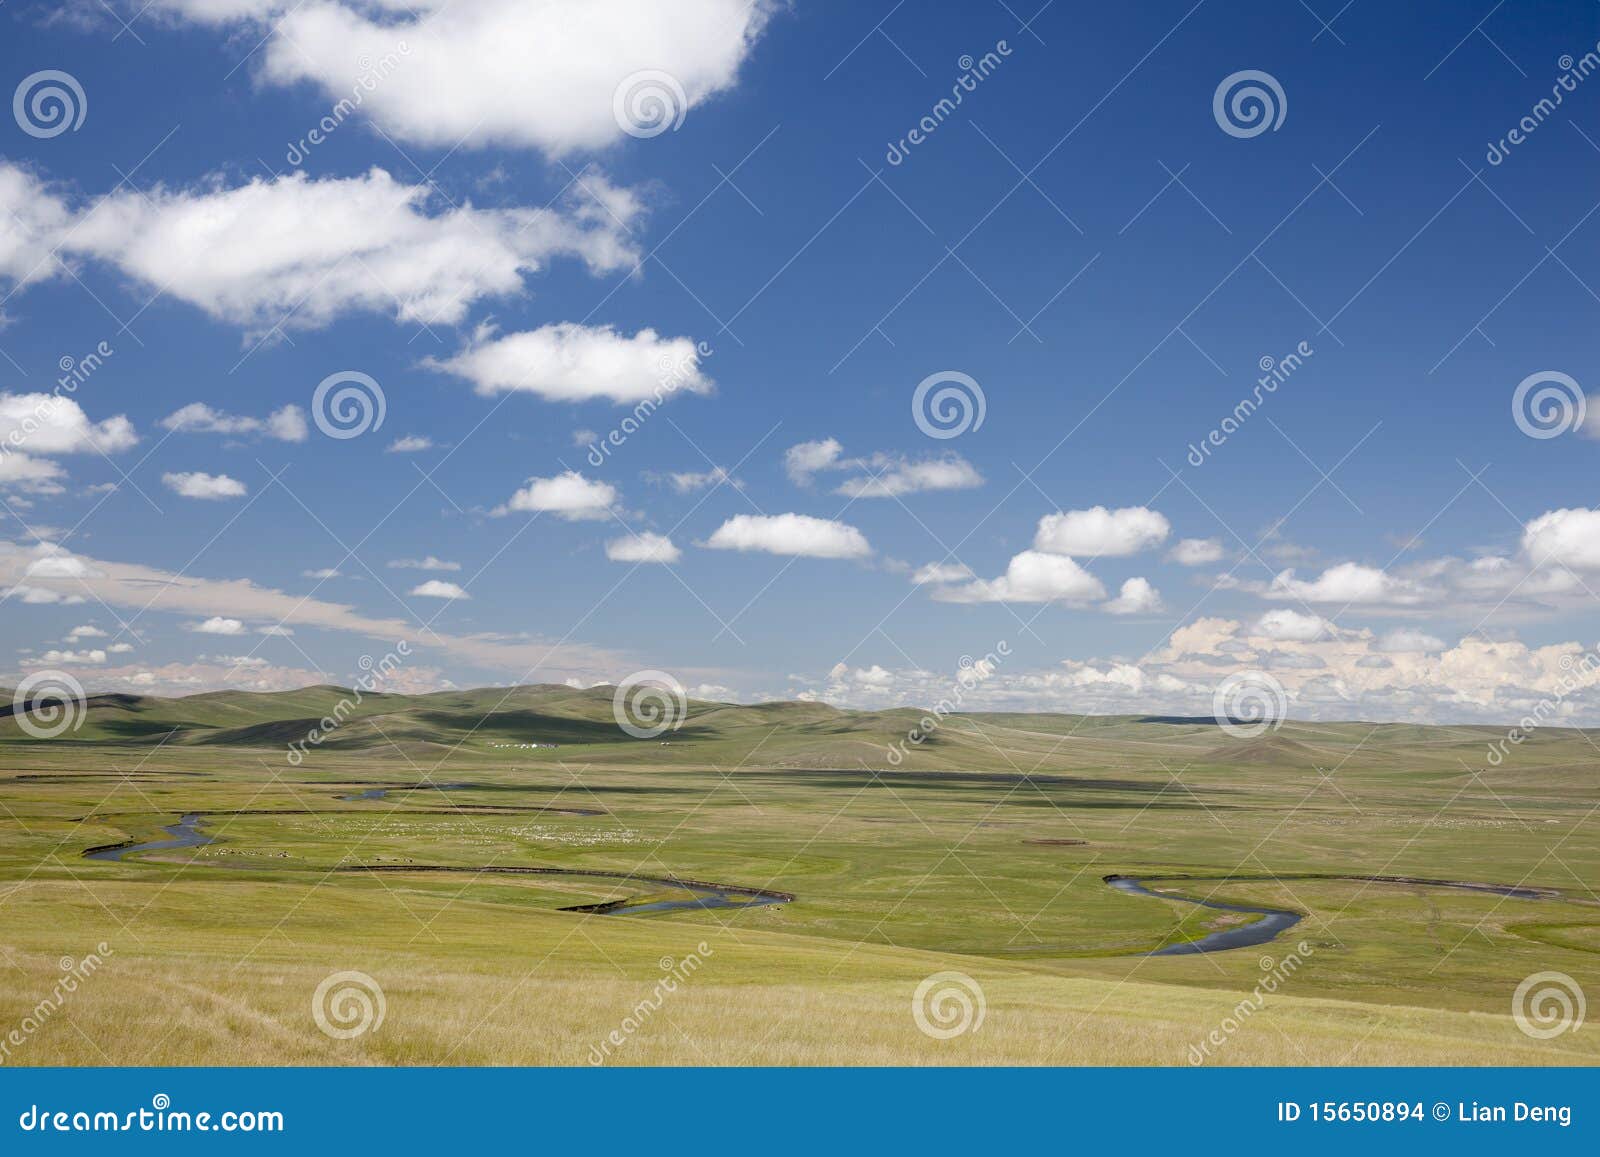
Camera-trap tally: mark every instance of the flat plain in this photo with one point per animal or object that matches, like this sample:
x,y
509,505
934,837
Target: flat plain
x,y
984,853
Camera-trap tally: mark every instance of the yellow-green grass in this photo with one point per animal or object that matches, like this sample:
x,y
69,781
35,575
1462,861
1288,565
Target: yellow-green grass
x,y
215,952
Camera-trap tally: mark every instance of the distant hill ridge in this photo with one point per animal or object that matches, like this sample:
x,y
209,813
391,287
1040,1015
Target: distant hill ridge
x,y
578,724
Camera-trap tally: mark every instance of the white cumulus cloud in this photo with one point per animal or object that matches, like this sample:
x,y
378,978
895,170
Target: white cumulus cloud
x,y
1569,537
1031,577
299,252
51,424
576,363
800,535
1098,532
512,73
568,495
1137,597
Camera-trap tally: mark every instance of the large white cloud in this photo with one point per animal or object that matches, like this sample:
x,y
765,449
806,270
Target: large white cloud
x,y
56,424
531,73
1565,537
790,534
576,363
1098,532
1031,577
31,223
298,252
1349,583
568,495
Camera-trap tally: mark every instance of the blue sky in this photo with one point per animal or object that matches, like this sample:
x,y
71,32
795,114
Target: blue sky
x,y
1080,236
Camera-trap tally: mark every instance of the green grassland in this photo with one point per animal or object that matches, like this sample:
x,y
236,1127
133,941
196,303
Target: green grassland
x,y
899,872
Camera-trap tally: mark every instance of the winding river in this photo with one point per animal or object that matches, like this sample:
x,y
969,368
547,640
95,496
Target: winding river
x,y
1274,922
185,833
695,894
676,894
